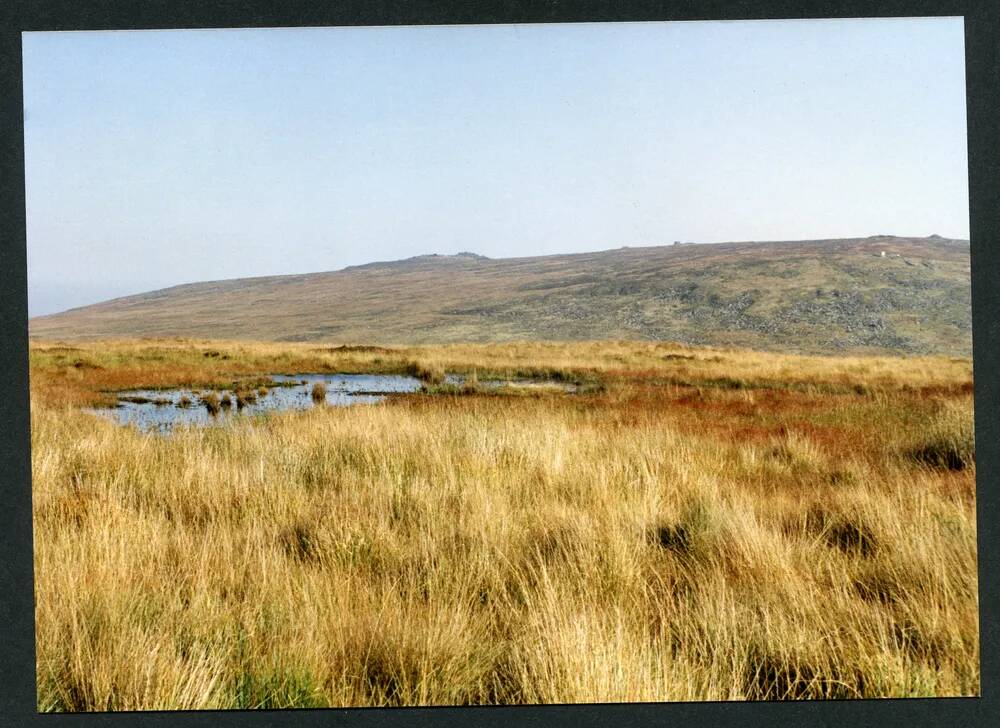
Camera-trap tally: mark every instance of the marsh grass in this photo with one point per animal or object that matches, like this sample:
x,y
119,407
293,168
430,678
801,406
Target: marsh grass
x,y
426,373
642,541
949,441
244,398
117,365
211,402
471,384
318,393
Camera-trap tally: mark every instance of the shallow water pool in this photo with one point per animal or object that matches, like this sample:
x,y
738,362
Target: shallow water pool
x,y
161,410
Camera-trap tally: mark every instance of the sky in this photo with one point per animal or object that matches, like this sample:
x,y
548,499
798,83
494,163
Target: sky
x,y
155,158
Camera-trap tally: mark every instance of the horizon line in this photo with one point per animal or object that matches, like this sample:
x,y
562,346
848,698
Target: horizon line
x,y
474,255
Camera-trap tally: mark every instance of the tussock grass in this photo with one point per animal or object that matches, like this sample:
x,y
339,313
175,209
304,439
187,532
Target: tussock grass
x,y
244,398
426,373
211,402
949,441
471,384
637,542
318,393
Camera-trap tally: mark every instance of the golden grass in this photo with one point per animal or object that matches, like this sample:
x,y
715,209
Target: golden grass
x,y
727,526
81,373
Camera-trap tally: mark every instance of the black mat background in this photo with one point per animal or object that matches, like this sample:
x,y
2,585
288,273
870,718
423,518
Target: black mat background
x,y
17,660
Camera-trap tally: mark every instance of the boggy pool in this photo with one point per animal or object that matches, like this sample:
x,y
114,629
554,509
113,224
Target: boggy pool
x,y
162,409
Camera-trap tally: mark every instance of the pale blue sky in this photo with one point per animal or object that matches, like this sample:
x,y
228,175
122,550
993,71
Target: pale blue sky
x,y
162,157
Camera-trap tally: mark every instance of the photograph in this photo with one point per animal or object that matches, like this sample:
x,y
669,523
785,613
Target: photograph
x,y
500,364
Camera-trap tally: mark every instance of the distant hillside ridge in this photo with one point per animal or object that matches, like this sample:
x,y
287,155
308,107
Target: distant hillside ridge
x,y
880,294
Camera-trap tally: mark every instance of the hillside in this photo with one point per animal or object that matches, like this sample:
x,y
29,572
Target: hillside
x,y
824,296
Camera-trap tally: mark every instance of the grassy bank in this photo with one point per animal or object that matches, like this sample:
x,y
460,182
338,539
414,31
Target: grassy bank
x,y
706,524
